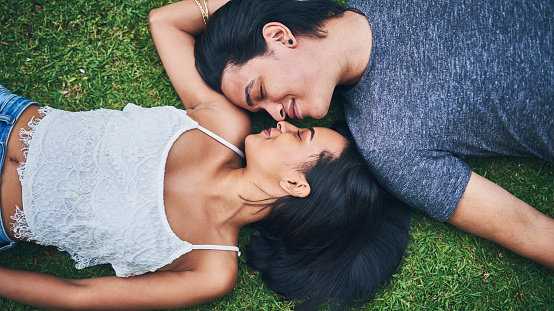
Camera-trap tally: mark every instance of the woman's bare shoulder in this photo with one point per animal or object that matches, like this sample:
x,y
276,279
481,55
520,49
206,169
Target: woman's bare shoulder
x,y
228,121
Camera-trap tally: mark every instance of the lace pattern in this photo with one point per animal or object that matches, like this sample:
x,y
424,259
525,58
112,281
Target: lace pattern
x,y
93,186
20,228
26,137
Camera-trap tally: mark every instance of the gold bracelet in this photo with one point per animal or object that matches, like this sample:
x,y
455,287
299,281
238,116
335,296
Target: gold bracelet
x,y
203,12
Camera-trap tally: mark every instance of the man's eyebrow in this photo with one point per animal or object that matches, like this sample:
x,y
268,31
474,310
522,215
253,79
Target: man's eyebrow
x,y
247,93
313,132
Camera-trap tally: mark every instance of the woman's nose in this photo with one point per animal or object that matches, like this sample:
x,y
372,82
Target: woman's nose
x,y
284,127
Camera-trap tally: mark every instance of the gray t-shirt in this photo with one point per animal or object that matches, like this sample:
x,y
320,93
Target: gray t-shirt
x,y
450,80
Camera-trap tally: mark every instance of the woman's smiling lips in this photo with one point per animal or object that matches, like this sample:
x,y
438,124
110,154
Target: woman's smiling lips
x,y
267,133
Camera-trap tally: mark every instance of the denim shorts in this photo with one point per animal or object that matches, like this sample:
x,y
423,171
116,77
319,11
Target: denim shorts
x,y
11,107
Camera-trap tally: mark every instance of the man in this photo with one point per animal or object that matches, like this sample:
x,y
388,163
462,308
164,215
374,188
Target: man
x,y
425,85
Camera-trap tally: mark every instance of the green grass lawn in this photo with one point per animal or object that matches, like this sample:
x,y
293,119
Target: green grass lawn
x,y
82,55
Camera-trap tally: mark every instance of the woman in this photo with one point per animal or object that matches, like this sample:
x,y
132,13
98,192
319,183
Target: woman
x,y
85,193
126,188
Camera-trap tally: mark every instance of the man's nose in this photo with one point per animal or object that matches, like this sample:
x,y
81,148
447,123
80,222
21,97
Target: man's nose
x,y
276,111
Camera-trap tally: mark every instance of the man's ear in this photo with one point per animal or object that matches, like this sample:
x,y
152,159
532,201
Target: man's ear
x,y
297,187
275,32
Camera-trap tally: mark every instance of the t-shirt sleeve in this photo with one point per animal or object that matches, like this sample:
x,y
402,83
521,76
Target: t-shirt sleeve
x,y
431,181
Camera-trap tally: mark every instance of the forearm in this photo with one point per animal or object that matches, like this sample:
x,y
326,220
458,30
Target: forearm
x,y
173,28
157,290
491,212
185,15
544,251
532,240
36,289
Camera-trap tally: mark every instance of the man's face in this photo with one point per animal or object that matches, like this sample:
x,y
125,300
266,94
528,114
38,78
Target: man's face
x,y
279,83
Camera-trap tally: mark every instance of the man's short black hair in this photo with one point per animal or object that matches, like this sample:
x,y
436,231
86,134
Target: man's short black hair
x,y
234,33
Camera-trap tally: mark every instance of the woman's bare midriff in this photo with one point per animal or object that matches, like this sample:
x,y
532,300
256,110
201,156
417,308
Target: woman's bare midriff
x,y
10,187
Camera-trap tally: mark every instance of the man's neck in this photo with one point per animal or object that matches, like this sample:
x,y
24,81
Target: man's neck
x,y
351,34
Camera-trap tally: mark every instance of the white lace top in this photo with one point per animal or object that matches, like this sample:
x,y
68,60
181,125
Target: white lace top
x,y
93,186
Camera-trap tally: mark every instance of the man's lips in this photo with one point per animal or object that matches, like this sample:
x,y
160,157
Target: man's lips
x,y
267,133
293,110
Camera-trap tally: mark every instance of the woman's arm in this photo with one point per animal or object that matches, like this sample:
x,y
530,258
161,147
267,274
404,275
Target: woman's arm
x,y
158,290
173,28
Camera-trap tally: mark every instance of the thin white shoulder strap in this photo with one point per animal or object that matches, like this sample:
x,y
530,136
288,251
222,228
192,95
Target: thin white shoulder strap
x,y
217,137
217,247
221,140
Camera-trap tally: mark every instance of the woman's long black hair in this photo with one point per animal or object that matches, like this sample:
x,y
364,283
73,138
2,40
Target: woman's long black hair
x,y
337,245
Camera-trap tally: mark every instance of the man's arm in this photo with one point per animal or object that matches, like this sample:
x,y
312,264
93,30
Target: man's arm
x,y
489,211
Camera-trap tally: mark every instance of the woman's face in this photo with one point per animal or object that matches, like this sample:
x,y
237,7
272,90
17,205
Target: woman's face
x,y
278,153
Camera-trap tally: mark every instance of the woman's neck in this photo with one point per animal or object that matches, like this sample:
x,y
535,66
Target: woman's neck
x,y
230,196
